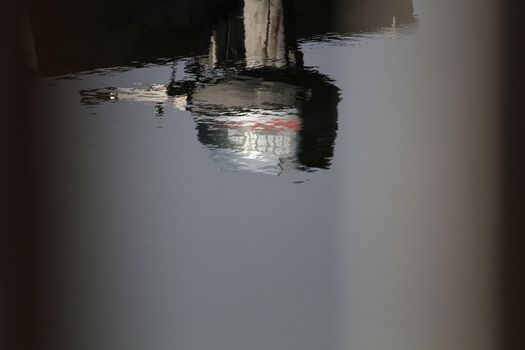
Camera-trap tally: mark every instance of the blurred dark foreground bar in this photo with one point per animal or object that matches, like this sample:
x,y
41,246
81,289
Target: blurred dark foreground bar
x,y
513,253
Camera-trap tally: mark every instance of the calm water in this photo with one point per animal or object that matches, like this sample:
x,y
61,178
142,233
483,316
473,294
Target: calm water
x,y
276,176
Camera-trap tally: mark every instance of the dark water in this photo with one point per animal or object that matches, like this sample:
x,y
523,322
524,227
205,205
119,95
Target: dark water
x,y
273,174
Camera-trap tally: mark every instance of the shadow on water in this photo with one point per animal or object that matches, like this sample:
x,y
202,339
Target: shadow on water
x,y
238,70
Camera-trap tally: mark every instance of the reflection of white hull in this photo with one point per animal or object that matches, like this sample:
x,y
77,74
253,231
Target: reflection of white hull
x,y
252,150
281,143
264,163
257,120
253,140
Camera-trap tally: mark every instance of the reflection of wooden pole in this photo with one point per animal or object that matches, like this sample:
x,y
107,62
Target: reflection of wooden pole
x,y
27,45
264,34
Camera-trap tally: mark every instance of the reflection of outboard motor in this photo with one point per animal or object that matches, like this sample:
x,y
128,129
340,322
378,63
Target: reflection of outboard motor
x,y
255,104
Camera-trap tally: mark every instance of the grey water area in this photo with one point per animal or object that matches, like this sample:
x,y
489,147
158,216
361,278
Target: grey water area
x,y
278,176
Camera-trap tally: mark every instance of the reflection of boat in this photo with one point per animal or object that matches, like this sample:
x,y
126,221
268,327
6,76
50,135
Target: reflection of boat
x,y
250,124
290,119
256,106
267,113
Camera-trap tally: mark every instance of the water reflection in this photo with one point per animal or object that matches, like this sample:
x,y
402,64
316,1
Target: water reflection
x,y
257,106
389,249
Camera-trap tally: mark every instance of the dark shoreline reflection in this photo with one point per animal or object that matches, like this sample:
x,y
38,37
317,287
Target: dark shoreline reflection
x,y
98,34
257,106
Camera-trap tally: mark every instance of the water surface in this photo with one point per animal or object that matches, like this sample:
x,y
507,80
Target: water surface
x,y
274,174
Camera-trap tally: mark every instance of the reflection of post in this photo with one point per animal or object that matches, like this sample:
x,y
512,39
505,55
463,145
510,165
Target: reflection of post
x,y
213,50
264,33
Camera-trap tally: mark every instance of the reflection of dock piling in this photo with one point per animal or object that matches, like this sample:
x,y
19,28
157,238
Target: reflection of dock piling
x,y
27,44
264,31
